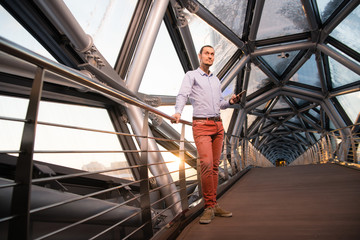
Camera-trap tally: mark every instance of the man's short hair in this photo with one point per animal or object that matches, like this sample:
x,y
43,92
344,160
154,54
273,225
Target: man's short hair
x,y
205,47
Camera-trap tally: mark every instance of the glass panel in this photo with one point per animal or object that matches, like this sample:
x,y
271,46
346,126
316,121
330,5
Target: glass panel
x,y
250,119
308,74
261,107
281,104
158,78
226,115
317,136
350,103
327,7
341,75
281,18
65,139
295,120
232,12
299,101
203,34
257,79
185,115
348,31
314,113
279,62
229,90
11,132
13,31
106,21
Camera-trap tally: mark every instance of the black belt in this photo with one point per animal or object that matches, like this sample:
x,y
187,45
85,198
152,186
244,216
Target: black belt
x,y
216,119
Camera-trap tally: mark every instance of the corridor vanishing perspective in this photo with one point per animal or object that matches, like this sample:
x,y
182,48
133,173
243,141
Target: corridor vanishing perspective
x,y
87,94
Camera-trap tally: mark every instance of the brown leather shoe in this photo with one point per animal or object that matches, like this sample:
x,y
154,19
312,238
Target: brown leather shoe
x,y
218,211
207,216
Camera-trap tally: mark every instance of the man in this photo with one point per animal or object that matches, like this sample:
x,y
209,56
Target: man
x,y
204,91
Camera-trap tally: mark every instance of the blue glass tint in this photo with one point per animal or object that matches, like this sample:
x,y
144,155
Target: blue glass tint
x,y
282,18
230,12
280,61
106,21
308,74
299,101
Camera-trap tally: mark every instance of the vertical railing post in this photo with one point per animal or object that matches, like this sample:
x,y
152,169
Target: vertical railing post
x,y
19,227
144,183
330,149
182,177
353,146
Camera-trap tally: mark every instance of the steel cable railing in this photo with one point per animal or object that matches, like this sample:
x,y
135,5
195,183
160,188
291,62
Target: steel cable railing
x,y
334,146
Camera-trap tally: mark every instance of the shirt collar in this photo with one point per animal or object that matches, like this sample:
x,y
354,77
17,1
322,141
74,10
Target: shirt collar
x,y
203,73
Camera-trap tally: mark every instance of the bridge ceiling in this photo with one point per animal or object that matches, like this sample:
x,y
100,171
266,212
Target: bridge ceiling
x,y
299,61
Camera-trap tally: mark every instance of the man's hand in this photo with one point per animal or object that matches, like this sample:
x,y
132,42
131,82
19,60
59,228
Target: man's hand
x,y
177,118
236,98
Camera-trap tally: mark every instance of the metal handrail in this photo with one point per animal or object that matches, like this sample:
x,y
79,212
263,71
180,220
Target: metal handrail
x,y
74,76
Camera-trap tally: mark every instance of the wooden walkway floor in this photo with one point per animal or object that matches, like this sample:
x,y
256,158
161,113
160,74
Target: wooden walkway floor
x,y
288,203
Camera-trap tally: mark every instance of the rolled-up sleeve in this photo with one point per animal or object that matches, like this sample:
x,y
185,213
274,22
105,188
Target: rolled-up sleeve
x,y
184,93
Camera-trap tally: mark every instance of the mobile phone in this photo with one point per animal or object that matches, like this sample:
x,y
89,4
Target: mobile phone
x,y
241,93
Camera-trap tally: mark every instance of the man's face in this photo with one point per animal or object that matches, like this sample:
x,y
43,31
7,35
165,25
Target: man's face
x,y
207,56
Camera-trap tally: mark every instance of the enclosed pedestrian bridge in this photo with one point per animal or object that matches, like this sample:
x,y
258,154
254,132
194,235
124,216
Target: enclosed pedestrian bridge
x,y
88,88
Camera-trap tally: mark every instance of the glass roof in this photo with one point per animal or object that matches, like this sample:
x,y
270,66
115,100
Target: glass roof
x,y
281,23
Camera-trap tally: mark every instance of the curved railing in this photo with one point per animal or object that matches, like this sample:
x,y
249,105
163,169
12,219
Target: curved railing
x,y
334,146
